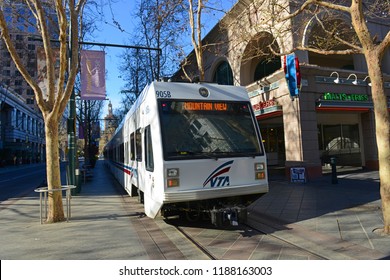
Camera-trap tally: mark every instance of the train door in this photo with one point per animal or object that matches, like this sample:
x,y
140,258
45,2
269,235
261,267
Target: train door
x,y
152,206
126,168
138,170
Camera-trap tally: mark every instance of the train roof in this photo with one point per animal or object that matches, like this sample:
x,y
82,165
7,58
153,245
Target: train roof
x,y
192,91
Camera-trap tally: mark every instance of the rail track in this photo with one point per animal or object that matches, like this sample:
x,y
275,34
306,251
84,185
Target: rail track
x,y
203,249
249,241
258,239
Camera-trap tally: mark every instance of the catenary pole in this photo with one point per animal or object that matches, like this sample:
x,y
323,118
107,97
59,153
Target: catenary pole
x,y
72,108
71,123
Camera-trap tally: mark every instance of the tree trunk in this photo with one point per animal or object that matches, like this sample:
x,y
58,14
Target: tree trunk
x,y
382,126
55,207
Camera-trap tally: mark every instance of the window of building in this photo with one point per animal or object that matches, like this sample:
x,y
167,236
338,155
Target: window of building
x,y
338,137
19,45
7,63
17,118
340,141
266,67
29,123
223,74
24,121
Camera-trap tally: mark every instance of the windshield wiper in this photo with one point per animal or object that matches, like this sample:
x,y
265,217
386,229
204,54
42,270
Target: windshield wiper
x,y
196,154
213,155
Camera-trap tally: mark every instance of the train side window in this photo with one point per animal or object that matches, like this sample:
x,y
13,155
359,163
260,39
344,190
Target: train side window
x,y
138,145
122,153
126,155
149,163
132,147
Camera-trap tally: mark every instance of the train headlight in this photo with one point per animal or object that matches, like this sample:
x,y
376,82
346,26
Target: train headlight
x,y
173,180
259,170
259,166
173,172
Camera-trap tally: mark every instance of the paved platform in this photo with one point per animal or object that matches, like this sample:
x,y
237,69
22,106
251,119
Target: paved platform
x,y
347,214
99,226
339,218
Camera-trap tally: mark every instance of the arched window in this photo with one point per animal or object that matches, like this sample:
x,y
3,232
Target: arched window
x,y
266,67
223,74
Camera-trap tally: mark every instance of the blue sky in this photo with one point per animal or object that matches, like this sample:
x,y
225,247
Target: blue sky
x,y
123,10
110,34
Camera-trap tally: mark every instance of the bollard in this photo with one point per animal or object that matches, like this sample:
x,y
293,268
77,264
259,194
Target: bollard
x,y
77,182
334,171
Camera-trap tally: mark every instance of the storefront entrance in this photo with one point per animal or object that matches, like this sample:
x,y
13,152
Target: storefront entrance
x,y
272,134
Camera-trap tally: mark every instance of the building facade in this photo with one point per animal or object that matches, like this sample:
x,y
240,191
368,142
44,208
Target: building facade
x,y
333,115
22,137
23,31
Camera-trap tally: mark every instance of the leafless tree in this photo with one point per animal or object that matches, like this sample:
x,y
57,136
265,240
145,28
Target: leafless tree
x,y
89,112
158,23
341,28
193,64
59,82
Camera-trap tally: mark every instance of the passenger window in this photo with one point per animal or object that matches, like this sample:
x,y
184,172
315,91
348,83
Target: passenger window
x,y
149,163
138,145
132,147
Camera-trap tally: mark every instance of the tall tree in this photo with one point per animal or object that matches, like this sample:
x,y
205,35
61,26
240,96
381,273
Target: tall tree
x,y
193,65
53,97
341,28
195,15
158,23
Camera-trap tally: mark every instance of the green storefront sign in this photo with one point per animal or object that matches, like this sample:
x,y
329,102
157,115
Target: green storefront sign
x,y
344,97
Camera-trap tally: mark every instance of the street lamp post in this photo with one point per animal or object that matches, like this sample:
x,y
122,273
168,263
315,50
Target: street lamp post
x,y
72,109
71,123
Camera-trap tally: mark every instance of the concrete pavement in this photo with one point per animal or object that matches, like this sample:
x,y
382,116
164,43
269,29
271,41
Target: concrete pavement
x,y
336,219
99,227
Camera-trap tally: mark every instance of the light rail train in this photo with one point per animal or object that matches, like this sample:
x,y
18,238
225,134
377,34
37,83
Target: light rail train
x,y
190,148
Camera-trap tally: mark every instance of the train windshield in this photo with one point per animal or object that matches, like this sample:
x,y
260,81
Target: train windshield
x,y
196,129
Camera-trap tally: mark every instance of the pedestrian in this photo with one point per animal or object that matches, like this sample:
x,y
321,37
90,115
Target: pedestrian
x,y
15,159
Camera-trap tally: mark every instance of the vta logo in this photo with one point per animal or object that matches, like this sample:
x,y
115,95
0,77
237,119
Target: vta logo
x,y
216,179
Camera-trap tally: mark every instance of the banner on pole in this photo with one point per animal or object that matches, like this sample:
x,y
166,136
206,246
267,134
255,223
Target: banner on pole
x,y
93,84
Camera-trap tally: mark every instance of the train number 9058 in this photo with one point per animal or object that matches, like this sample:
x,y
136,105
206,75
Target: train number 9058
x,y
163,94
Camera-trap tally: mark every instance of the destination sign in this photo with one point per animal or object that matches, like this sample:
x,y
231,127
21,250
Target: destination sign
x,y
205,106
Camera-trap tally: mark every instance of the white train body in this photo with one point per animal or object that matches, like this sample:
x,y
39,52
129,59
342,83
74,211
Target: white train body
x,y
189,146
